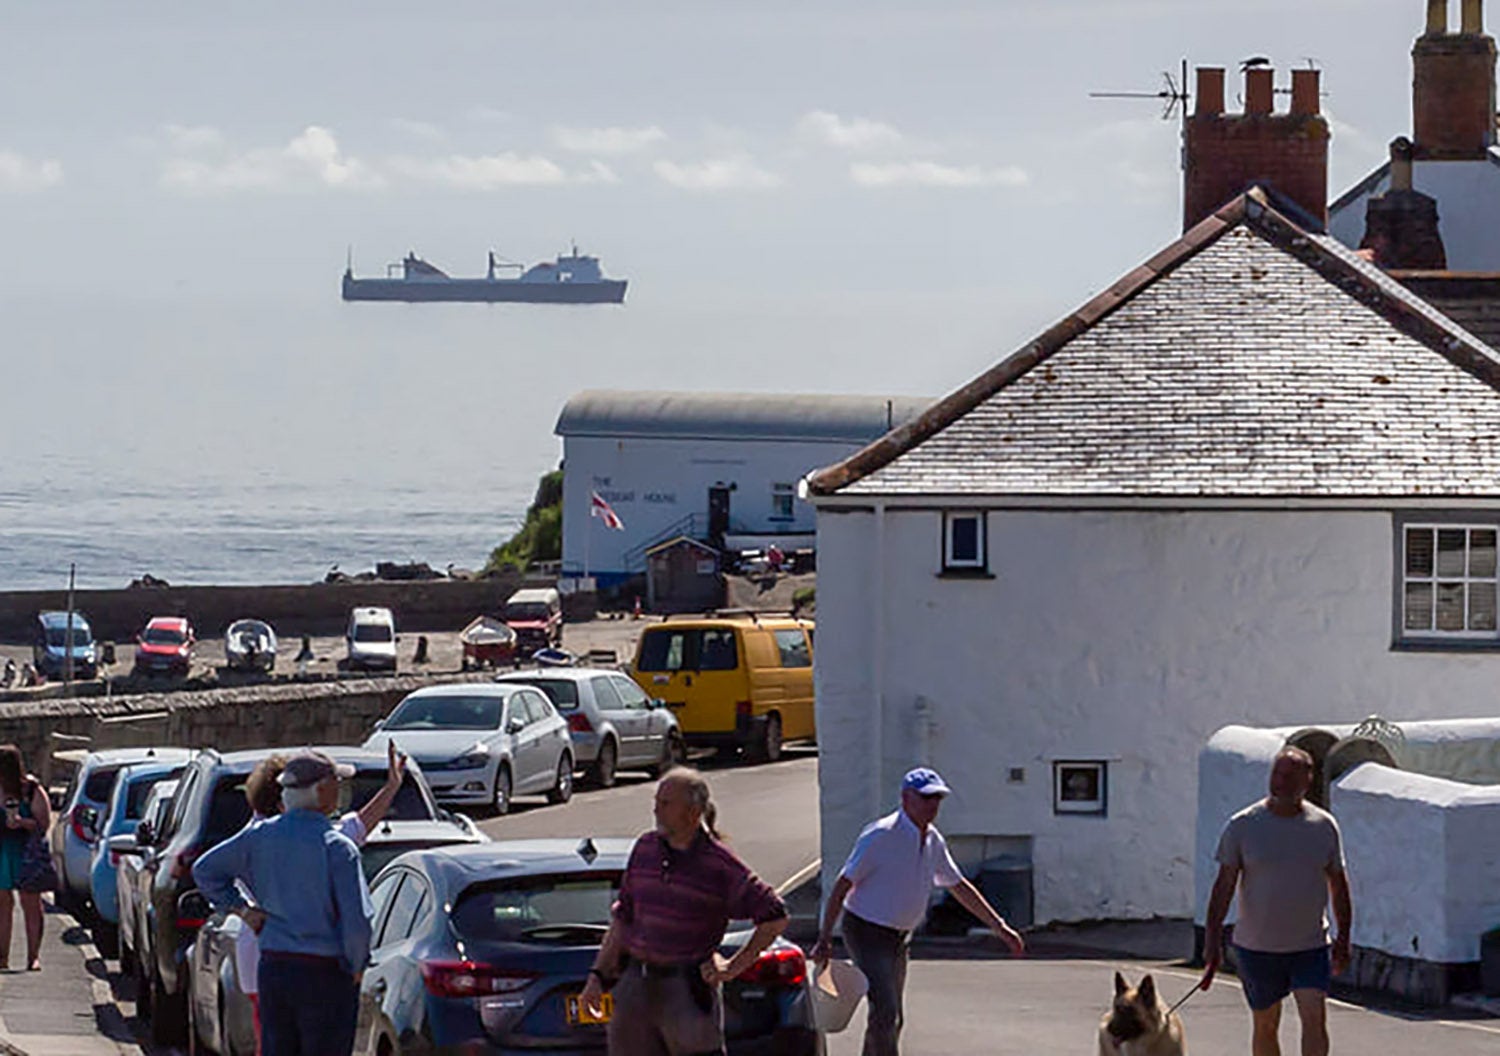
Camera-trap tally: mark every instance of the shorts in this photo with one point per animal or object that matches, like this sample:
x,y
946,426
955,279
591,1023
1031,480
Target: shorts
x,y
1269,977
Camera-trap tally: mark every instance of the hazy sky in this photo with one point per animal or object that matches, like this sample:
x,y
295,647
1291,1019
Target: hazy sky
x,y
845,195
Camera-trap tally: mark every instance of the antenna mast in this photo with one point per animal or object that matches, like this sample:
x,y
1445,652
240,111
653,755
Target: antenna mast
x,y
1173,94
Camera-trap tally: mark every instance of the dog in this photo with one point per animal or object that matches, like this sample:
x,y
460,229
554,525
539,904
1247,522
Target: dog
x,y
1139,1023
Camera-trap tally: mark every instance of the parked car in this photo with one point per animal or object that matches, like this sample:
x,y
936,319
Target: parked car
x,y
612,722
129,888
220,1017
126,808
50,646
209,807
482,744
535,614
371,640
75,822
165,646
504,967
250,645
735,682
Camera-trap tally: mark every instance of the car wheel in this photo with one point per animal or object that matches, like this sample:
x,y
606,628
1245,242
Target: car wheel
x,y
767,749
673,753
602,774
501,798
168,1014
562,790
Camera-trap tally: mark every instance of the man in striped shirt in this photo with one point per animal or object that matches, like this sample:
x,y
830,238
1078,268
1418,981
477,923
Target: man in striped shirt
x,y
682,886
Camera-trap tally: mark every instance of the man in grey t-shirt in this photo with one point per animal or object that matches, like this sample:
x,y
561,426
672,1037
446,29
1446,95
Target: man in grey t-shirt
x,y
1285,856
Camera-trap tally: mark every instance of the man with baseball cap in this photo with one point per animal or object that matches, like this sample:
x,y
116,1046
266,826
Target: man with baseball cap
x,y
315,935
883,891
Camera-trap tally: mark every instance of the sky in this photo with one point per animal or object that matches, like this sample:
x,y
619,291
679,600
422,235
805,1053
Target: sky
x,y
871,196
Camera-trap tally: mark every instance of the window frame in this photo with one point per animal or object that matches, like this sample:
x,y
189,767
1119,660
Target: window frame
x,y
980,565
781,491
1098,806
1432,638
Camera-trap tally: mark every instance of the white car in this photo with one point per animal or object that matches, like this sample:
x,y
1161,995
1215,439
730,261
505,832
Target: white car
x,y
482,744
371,639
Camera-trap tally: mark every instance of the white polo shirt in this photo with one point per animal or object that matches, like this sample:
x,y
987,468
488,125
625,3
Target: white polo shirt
x,y
893,870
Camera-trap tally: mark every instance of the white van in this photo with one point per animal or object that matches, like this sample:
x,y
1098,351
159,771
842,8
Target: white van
x,y
371,638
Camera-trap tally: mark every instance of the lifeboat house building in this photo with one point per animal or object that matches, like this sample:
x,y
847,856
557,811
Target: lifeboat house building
x,y
719,468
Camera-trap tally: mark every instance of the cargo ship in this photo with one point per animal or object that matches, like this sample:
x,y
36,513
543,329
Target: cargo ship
x,y
570,279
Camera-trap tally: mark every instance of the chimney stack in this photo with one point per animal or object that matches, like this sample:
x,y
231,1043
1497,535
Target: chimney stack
x,y
1226,154
1453,86
1401,225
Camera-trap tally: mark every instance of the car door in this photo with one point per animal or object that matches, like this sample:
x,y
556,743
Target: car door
x,y
551,733
613,711
371,1017
635,706
523,747
795,653
394,987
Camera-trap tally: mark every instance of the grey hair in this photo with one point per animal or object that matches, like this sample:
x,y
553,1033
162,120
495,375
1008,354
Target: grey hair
x,y
700,795
300,798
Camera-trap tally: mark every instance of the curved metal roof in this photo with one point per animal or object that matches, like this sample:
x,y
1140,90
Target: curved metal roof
x,y
735,416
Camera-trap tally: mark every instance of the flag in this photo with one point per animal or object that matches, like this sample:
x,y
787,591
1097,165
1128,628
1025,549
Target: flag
x,y
601,509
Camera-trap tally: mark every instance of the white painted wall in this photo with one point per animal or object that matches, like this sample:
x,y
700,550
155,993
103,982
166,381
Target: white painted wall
x,y
1468,197
653,484
1127,636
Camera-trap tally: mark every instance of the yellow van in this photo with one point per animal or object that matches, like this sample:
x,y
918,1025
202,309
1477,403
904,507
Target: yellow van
x,y
734,682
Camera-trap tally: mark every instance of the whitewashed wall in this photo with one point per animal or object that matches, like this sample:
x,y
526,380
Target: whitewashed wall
x,y
1468,197
1129,637
653,484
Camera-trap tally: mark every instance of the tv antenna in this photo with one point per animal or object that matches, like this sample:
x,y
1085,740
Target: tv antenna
x,y
1173,94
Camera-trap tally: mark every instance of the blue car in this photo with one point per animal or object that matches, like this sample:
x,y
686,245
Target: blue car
x,y
51,645
122,815
486,948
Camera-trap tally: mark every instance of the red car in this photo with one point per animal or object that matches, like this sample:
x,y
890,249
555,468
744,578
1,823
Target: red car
x,y
165,646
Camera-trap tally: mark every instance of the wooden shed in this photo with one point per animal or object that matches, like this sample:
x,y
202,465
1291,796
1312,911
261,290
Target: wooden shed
x,y
682,575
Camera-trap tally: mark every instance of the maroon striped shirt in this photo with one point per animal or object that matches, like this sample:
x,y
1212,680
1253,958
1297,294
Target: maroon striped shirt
x,y
675,904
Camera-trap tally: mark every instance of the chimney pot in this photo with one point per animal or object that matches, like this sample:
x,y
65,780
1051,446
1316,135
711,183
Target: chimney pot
x,y
1259,91
1437,17
1401,151
1473,16
1305,99
1210,91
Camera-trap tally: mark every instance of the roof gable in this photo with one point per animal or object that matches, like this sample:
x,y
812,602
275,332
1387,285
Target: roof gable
x,y
1249,358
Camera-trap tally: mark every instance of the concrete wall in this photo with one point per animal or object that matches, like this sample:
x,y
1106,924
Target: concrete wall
x,y
316,608
1123,636
1468,197
341,712
653,484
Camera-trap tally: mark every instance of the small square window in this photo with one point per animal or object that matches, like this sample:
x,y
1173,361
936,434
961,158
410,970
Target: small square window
x,y
1448,581
963,541
1080,787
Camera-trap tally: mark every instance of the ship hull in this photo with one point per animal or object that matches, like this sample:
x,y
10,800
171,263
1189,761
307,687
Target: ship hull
x,y
485,291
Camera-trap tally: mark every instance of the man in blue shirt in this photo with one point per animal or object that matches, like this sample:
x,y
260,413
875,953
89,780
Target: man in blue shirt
x,y
312,911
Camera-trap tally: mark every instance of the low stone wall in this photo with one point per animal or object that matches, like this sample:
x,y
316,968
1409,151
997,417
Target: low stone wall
x,y
333,712
314,608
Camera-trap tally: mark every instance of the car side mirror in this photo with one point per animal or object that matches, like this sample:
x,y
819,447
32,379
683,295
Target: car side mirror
x,y
89,821
194,906
379,724
515,726
656,702
124,843
55,799
144,837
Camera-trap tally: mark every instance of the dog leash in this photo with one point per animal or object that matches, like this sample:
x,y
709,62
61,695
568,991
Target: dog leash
x,y
1183,999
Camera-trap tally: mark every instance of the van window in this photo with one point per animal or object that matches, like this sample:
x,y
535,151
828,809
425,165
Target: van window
x,y
56,636
711,649
792,645
100,784
372,632
528,610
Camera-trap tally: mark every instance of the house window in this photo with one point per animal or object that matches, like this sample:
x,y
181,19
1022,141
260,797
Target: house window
x,y
963,541
781,501
1080,787
1448,581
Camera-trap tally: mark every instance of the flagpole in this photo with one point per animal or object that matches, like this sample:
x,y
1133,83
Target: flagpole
x,y
588,535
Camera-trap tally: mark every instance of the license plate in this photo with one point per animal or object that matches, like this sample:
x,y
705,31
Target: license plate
x,y
577,1013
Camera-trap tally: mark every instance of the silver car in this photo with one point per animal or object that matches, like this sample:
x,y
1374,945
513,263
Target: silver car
x,y
614,725
482,743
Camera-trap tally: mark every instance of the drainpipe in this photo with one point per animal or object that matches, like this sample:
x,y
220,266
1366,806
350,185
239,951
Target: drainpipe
x,y
877,728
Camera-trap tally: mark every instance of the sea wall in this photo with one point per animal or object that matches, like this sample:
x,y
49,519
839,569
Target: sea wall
x,y
314,608
281,715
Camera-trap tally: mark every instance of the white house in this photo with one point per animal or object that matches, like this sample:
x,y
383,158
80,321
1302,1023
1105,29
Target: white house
x,y
704,465
1255,479
1455,158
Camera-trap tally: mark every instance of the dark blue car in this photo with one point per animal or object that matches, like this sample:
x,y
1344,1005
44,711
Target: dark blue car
x,y
486,949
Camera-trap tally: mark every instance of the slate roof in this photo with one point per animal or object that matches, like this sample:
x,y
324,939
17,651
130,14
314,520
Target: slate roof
x,y
735,416
1248,359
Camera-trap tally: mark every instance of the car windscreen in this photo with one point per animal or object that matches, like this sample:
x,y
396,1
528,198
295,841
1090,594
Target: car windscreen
x,y
140,791
163,636
409,804
373,857
567,908
527,610
57,636
447,713
100,784
562,692
372,632
688,649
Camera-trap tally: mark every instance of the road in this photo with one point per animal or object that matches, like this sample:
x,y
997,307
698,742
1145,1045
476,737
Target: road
x,y
768,812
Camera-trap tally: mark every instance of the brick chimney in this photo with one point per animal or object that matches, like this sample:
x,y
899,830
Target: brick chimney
x,y
1401,225
1227,153
1453,86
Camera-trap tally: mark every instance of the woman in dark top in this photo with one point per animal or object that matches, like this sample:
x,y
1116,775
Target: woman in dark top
x,y
26,811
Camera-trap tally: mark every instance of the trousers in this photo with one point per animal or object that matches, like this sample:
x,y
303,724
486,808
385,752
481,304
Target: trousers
x,y
880,953
307,1007
658,1015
